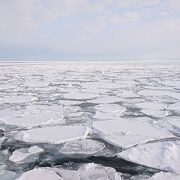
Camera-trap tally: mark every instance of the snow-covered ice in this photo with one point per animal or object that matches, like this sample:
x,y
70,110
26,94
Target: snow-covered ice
x,y
128,132
160,155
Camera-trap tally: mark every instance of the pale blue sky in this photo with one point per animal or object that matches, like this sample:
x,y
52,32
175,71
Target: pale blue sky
x,y
90,30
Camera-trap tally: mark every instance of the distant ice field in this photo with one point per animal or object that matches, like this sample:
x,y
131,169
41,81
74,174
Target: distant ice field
x,y
89,120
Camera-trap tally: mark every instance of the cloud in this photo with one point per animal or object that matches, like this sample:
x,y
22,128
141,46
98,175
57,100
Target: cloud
x,y
119,27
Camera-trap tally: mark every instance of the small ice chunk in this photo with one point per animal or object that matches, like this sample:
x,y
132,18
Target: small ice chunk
x,y
79,96
151,105
40,173
105,100
23,153
126,133
160,155
84,146
54,135
165,176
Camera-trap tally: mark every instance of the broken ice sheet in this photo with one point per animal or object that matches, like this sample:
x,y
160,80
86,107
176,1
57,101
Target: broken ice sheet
x,y
127,132
25,155
161,155
84,146
53,134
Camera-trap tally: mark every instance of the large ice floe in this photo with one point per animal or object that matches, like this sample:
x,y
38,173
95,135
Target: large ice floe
x,y
127,132
160,155
54,135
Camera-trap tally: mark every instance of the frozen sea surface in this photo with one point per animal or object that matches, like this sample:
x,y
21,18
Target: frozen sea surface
x,y
109,121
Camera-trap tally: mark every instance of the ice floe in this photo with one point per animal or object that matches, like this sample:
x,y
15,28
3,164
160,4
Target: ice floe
x,y
105,100
127,132
155,113
79,96
151,105
35,116
109,111
160,155
160,93
84,146
90,171
17,99
6,113
24,155
54,135
7,175
40,173
70,103
154,109
165,176
174,107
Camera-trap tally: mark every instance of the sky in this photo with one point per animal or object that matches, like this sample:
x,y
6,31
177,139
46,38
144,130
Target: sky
x,y
124,30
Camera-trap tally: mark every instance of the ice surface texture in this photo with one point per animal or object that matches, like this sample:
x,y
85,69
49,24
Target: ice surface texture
x,y
89,121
